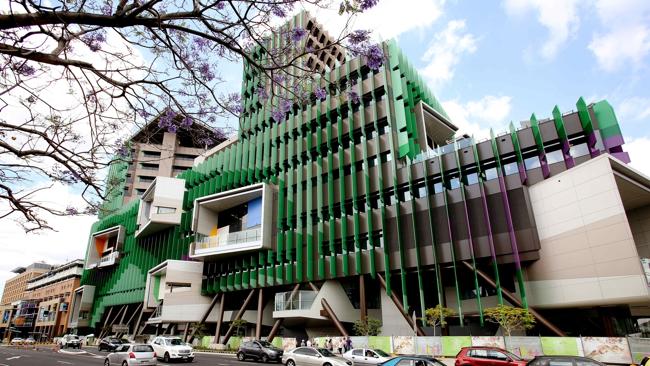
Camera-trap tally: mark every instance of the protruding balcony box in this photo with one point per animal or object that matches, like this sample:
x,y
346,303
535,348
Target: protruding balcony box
x,y
173,289
82,304
105,247
161,205
236,221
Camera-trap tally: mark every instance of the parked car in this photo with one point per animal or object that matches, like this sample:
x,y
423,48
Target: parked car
x,y
29,340
366,356
487,356
70,341
311,356
111,343
564,361
259,350
412,361
17,340
172,348
132,354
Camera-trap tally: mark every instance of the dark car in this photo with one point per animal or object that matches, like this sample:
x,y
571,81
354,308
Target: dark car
x,y
259,350
111,344
564,361
413,361
487,356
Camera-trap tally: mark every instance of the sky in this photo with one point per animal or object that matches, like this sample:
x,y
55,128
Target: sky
x,y
487,62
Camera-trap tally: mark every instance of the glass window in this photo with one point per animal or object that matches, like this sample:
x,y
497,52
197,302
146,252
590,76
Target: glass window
x,y
381,353
454,183
586,363
496,355
143,348
406,362
472,178
165,210
510,168
491,174
532,162
357,352
554,157
560,363
579,150
478,353
325,352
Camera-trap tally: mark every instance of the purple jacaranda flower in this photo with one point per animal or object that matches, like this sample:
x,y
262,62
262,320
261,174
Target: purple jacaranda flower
x,y
206,71
167,119
143,113
172,129
358,36
24,69
71,211
187,122
261,93
279,79
285,106
107,8
309,49
375,57
200,43
320,93
278,11
94,40
277,115
367,4
206,141
221,5
297,34
354,97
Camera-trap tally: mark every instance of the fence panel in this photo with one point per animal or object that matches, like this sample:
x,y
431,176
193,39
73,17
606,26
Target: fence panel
x,y
607,349
431,346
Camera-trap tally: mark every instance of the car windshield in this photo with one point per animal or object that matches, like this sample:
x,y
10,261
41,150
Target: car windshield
x,y
381,353
512,356
265,344
143,348
325,352
74,337
124,341
175,342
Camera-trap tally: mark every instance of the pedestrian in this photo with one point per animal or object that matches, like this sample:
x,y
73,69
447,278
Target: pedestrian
x,y
330,345
348,344
309,344
303,344
339,345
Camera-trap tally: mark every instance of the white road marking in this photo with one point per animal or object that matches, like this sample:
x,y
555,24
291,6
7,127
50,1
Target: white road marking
x,y
13,358
65,362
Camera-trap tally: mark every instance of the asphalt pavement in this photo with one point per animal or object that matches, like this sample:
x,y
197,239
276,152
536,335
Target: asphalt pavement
x,y
47,356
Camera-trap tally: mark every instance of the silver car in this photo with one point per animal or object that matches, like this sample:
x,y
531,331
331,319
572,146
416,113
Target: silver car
x,y
132,354
366,356
311,356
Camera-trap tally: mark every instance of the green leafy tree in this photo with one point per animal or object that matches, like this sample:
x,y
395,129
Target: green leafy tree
x,y
238,324
510,318
367,327
437,316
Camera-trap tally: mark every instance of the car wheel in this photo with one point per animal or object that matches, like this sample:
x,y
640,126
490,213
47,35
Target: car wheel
x,y
291,363
166,357
265,358
124,363
190,360
107,362
240,356
327,364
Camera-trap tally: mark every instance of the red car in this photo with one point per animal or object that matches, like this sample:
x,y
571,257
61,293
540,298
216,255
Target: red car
x,y
487,356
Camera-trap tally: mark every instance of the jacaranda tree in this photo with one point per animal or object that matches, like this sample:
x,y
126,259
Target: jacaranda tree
x,y
77,76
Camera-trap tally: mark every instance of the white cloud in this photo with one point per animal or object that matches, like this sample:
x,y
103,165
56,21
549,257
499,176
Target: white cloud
x,y
67,243
559,17
626,39
445,50
478,116
639,150
633,109
388,19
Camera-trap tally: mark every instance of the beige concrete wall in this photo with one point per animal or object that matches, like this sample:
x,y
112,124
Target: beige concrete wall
x,y
588,256
640,225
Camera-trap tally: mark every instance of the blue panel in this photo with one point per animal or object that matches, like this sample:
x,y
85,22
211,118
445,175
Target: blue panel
x,y
254,217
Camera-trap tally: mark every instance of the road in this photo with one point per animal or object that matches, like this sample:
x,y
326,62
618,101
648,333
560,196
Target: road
x,y
45,356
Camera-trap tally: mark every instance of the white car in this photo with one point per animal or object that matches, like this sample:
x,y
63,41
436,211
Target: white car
x,y
70,341
172,348
17,340
132,354
311,356
366,356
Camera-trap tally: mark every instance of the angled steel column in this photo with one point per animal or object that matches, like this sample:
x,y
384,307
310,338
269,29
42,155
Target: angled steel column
x,y
238,316
205,315
400,307
274,330
217,334
513,298
362,298
260,308
332,316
